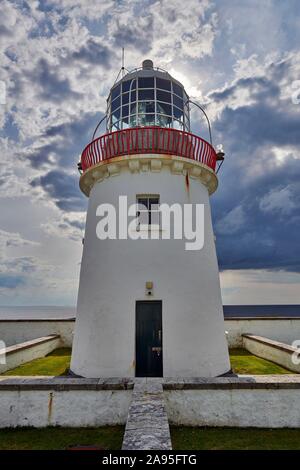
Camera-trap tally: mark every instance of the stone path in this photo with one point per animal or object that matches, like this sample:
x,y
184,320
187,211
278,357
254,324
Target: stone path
x,y
147,426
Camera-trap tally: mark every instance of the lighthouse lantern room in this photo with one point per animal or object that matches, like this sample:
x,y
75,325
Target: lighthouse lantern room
x,y
148,306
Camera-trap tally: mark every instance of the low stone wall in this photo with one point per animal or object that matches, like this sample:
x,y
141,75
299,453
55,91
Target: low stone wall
x,y
18,331
62,401
256,401
13,356
271,350
253,401
282,329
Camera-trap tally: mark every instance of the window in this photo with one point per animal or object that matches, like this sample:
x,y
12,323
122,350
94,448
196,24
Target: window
x,y
163,84
148,212
146,82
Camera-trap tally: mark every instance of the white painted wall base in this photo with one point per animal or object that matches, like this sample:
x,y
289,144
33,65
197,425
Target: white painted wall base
x,y
253,401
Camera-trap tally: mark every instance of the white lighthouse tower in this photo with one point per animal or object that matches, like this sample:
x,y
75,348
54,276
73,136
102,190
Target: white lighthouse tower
x,y
147,305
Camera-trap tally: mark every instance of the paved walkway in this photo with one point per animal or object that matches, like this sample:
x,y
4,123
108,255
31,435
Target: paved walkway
x,y
147,426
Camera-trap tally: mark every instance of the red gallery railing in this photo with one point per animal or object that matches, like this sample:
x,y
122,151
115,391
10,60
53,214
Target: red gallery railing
x,y
159,140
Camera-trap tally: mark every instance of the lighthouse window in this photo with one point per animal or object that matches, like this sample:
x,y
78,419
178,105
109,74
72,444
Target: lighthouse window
x,y
146,82
125,111
177,102
146,95
116,103
177,89
147,107
125,98
146,119
178,113
133,108
116,115
163,96
128,84
115,92
164,108
164,121
148,210
163,84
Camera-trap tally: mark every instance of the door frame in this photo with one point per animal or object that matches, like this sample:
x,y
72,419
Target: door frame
x,y
147,301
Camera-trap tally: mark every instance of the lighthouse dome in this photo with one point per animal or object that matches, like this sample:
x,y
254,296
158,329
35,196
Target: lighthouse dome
x,y
148,96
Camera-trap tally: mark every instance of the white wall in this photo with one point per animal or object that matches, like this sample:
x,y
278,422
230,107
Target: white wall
x,y
13,331
273,351
242,408
20,355
284,330
113,277
40,408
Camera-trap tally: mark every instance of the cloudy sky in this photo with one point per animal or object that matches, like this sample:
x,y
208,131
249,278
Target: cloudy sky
x,y
237,57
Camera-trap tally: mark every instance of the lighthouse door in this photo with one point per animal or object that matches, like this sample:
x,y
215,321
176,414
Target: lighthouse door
x,y
149,339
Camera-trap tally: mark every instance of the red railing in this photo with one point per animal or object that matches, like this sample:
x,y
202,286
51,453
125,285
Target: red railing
x,y
159,140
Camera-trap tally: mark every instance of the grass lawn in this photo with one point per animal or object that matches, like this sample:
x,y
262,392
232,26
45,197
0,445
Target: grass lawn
x,y
108,438
185,438
243,362
55,363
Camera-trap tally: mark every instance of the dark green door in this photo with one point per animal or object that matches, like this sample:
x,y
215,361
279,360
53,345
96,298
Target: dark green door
x,y
149,339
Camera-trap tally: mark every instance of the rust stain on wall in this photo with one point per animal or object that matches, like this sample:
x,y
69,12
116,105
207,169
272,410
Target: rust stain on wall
x,y
50,406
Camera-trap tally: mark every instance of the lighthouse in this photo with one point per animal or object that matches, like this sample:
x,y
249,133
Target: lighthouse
x,y
149,300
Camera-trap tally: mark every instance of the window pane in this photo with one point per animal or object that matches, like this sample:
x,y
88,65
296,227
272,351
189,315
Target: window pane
x,y
125,110
178,102
143,202
125,98
116,126
116,115
147,107
146,82
177,112
146,94
163,96
153,203
177,89
115,92
133,121
127,85
132,95
154,218
133,108
146,119
164,108
116,103
164,121
164,84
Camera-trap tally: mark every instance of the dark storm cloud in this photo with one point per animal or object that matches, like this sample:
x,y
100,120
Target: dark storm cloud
x,y
63,189
256,227
67,140
137,34
52,88
93,53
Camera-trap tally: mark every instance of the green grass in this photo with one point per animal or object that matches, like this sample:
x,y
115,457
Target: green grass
x,y
108,438
185,438
243,362
55,363
58,362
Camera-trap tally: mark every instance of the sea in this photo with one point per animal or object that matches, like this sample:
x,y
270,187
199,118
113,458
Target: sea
x,y
56,312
